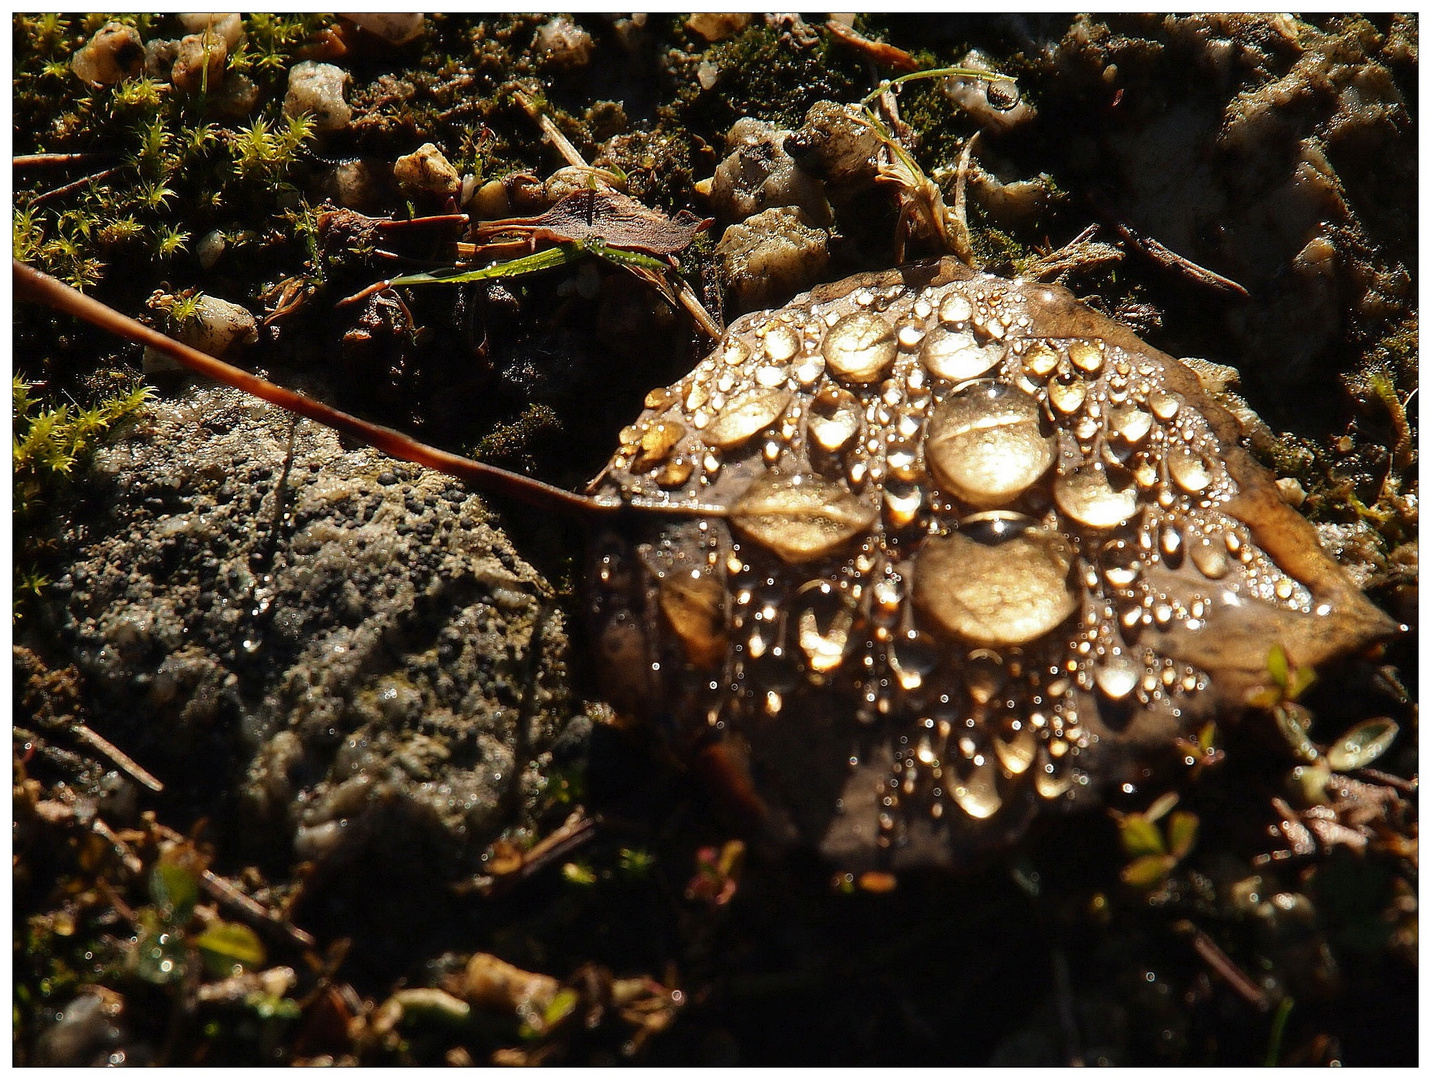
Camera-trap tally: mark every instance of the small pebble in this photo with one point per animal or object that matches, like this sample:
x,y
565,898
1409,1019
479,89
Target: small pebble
x,y
226,24
216,327
199,63
210,247
235,98
364,184
758,174
717,26
112,54
772,255
563,45
490,201
426,172
317,90
396,28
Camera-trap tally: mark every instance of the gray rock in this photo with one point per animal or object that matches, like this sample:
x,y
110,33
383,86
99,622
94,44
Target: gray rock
x,y
294,642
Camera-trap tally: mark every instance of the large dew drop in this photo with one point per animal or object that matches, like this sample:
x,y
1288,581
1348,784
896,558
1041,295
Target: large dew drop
x,y
824,619
745,415
977,791
656,443
1008,587
1016,745
1188,471
1117,676
834,418
781,343
956,356
859,348
694,605
1210,558
800,517
1131,423
913,657
1052,775
985,444
1089,497
955,309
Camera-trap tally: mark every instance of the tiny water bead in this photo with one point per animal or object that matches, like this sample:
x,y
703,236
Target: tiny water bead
x,y
941,549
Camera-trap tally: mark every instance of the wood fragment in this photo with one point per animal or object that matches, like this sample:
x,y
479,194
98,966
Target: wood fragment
x,y
961,242
877,52
25,161
1181,264
1376,776
576,831
74,185
553,135
390,224
681,295
126,855
126,763
35,285
1080,253
251,910
1223,965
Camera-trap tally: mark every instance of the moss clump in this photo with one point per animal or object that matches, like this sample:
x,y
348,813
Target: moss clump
x,y
152,155
51,443
768,73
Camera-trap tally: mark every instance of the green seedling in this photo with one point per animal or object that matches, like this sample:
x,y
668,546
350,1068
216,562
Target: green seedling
x,y
1154,852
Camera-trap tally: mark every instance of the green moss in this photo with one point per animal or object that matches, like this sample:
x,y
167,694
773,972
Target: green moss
x,y
764,73
157,154
51,444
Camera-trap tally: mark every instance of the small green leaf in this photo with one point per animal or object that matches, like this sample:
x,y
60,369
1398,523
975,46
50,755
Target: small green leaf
x,y
1182,833
1293,720
561,1006
1277,665
1266,697
225,944
270,1007
578,874
563,1003
1309,783
635,861
1362,745
1302,678
1140,836
1207,737
175,889
1147,871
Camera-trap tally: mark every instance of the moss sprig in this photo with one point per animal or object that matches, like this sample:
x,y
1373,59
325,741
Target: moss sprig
x,y
50,444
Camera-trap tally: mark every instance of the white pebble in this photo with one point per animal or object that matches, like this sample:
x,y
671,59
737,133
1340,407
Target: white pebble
x,y
317,90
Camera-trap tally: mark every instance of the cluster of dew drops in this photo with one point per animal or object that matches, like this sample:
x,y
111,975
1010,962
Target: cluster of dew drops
x,y
991,481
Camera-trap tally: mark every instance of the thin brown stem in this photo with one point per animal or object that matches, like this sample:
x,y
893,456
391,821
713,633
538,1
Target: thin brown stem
x,y
118,756
31,284
23,161
74,185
